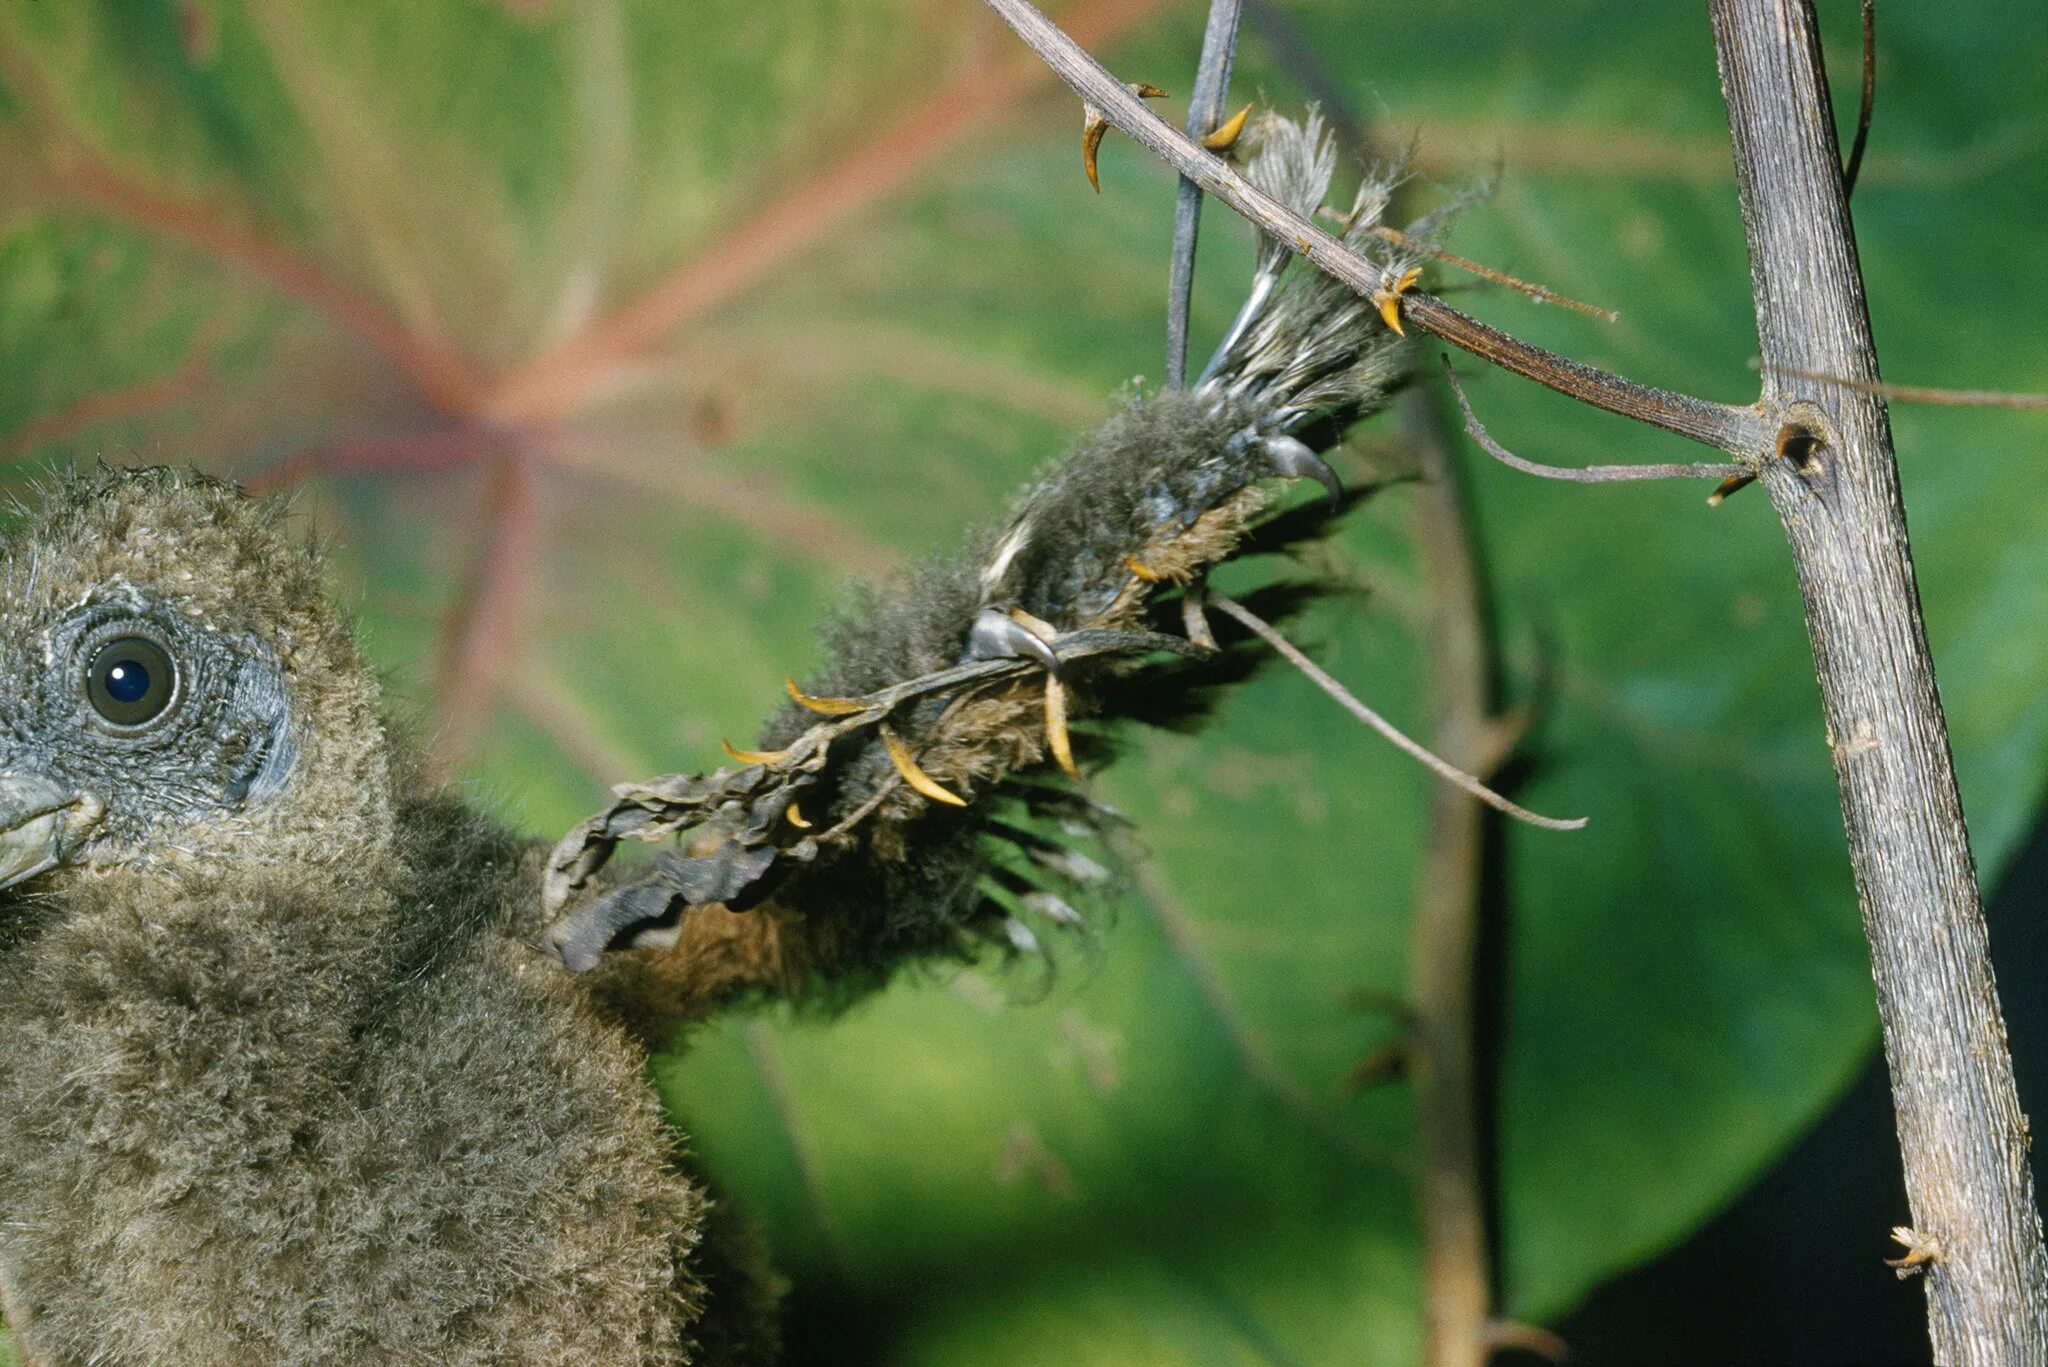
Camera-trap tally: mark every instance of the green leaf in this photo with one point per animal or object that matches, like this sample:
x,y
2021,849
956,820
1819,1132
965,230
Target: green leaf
x,y
609,338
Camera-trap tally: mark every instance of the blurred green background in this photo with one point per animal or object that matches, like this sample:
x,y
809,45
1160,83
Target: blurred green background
x,y
607,338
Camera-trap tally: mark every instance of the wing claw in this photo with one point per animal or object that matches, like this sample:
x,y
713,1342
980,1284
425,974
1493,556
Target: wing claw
x,y
1294,459
996,636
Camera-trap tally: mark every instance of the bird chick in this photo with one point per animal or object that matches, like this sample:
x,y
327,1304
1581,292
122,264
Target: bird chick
x,y
283,1082
283,1075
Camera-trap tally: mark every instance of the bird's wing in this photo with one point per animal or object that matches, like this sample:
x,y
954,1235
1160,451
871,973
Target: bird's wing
x,y
921,794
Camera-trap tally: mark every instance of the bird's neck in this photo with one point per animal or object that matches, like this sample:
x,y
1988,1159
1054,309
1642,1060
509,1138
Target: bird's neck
x,y
278,946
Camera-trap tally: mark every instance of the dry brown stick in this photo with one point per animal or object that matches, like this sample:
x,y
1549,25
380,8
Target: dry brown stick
x,y
1734,429
1439,1049
1450,1185
1834,483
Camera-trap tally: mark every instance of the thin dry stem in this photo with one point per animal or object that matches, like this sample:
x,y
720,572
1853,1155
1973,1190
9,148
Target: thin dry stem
x,y
1583,474
1205,111
1437,765
1488,273
1855,162
1913,393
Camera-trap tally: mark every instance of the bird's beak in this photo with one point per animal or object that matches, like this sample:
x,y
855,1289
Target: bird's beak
x,y
40,824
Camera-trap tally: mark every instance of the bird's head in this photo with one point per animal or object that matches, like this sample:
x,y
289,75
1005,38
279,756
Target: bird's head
x,y
175,691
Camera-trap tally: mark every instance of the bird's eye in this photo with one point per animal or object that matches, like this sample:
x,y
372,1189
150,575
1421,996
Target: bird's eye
x,y
131,681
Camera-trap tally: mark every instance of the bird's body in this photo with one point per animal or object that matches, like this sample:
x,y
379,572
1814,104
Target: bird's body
x,y
327,1119
286,1076
283,1079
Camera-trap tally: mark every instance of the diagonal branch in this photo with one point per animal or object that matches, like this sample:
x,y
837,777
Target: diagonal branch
x,y
1732,429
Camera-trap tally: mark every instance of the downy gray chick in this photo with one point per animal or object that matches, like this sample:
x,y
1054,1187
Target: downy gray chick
x,y
285,1074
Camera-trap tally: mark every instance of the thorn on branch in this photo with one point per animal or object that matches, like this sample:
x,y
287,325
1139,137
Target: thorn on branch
x,y
739,756
1725,471
1095,123
1734,484
1387,1063
907,767
1528,1338
1388,299
1225,137
1922,1252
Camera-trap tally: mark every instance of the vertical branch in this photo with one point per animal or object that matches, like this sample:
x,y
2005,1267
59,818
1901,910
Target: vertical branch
x,y
1976,1231
1205,111
1457,1275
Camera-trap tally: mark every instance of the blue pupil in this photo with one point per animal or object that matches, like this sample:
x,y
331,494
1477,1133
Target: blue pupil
x,y
127,681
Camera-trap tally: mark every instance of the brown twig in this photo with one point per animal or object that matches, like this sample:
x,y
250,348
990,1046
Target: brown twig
x,y
1869,101
1436,764
1442,1053
1834,482
1520,286
1582,474
1948,398
1720,425
1439,1045
1205,111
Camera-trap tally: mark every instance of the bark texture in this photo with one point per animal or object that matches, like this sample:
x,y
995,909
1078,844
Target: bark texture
x,y
1832,478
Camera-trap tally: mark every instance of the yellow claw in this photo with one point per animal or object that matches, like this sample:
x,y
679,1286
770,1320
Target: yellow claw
x,y
1143,571
1056,726
1226,135
753,756
1390,300
830,707
796,818
918,779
